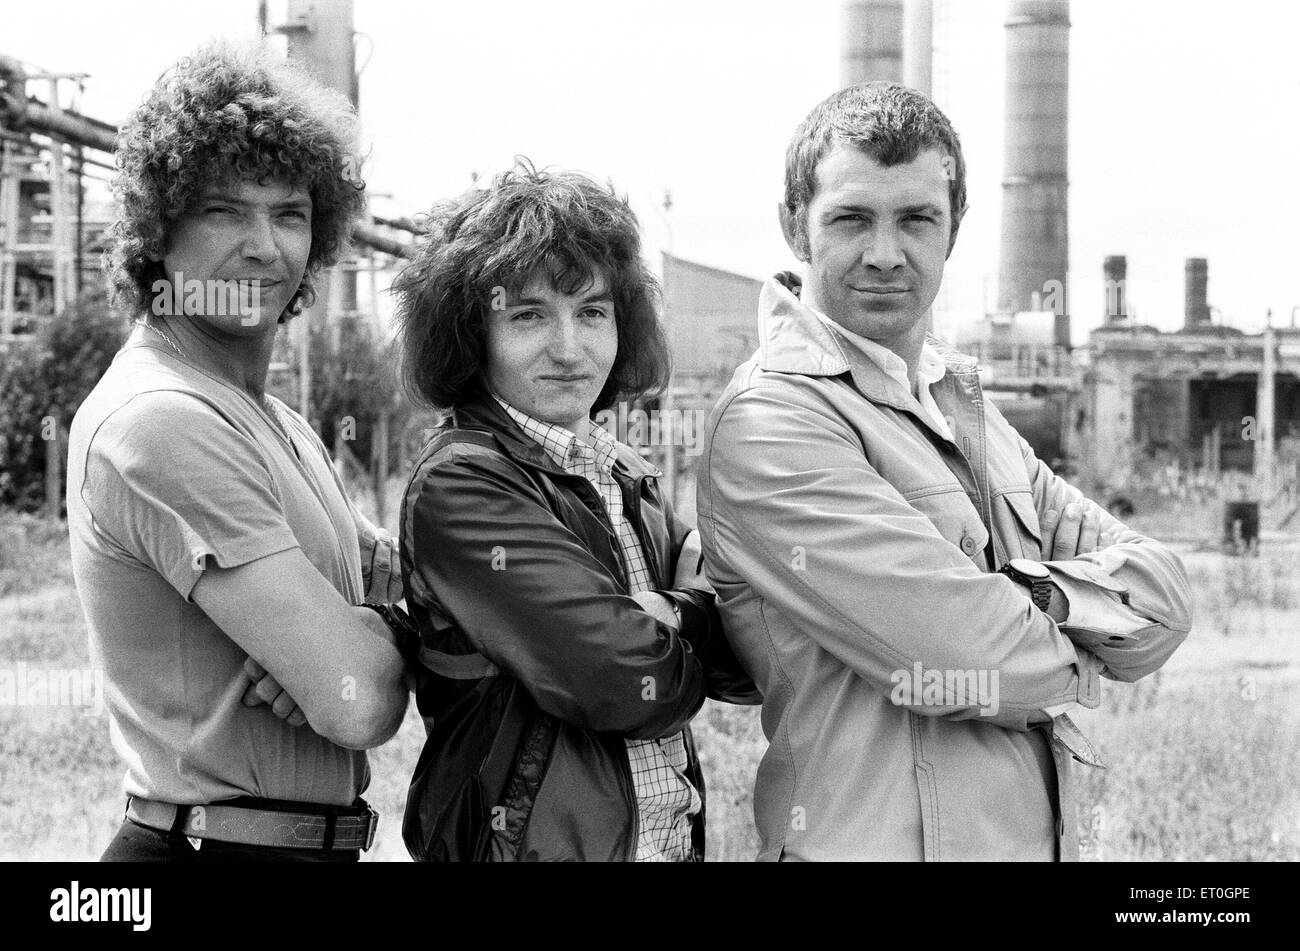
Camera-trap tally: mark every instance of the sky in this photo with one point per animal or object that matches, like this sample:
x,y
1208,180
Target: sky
x,y
1184,120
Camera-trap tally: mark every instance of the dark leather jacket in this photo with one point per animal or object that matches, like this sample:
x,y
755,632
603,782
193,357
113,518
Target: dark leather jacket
x,y
535,664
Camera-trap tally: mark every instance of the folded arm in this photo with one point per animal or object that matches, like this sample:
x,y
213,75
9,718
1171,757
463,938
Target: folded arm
x,y
337,662
484,545
1130,600
795,509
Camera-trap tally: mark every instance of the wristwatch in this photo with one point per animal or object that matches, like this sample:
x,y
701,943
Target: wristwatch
x,y
1035,577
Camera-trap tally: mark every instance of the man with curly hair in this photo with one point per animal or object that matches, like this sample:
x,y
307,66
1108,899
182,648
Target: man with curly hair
x,y
220,564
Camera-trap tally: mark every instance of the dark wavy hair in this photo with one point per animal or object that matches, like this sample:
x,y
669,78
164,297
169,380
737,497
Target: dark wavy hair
x,y
229,113
560,223
888,121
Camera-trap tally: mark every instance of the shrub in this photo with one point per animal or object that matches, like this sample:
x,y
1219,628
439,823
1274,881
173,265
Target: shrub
x,y
42,382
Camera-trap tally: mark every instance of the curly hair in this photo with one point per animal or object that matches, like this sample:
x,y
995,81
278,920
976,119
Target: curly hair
x,y
563,224
228,113
888,121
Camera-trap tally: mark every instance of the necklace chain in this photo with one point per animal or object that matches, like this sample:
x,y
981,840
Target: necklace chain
x,y
170,341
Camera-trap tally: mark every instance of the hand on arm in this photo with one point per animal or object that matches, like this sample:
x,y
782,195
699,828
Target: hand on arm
x,y
335,661
1130,601
688,576
381,566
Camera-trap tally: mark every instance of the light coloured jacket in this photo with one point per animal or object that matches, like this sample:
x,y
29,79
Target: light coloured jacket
x,y
849,541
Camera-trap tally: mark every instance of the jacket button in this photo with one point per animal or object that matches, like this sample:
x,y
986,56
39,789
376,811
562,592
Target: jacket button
x,y
968,545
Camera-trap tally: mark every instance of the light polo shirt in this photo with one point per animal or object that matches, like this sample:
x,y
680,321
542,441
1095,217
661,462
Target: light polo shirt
x,y
171,471
665,798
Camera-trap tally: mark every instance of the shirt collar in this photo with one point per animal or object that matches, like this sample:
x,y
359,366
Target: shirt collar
x,y
563,446
930,365
793,338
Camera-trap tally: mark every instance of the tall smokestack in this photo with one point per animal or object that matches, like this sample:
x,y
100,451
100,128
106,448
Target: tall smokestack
x,y
1196,308
1115,269
872,41
918,44
1035,240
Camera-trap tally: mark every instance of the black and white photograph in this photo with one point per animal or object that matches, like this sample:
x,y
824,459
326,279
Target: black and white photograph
x,y
853,431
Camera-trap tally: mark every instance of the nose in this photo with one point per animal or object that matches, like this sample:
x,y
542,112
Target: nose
x,y
883,250
565,347
259,240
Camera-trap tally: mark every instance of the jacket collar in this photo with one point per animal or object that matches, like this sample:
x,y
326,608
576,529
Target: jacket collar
x,y
793,340
484,413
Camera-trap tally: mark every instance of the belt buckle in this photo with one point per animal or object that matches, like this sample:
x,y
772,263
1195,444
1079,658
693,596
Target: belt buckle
x,y
372,824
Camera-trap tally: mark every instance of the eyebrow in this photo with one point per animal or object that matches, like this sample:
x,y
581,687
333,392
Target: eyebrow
x,y
602,297
230,198
925,206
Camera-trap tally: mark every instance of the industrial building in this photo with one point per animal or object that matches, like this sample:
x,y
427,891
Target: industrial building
x,y
1134,407
1206,407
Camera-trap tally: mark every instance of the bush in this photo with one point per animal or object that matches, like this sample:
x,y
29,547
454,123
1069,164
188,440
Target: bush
x,y
353,376
42,382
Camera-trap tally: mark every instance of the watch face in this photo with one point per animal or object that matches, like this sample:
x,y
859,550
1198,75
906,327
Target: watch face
x,y
1029,568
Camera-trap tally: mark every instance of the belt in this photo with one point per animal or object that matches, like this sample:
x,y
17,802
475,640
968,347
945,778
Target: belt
x,y
286,825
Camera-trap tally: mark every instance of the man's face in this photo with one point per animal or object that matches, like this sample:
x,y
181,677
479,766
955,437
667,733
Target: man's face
x,y
244,247
876,240
549,353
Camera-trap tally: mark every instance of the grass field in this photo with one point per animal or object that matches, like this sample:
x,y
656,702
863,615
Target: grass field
x,y
1204,757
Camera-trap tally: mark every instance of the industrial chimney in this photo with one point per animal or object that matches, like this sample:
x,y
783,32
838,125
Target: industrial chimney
x,y
1115,269
872,41
918,44
1196,309
1035,240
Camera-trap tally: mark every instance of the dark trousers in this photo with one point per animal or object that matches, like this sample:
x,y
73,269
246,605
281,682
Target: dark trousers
x,y
137,843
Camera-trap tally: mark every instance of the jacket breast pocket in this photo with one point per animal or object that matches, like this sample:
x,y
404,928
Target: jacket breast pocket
x,y
1018,527
957,519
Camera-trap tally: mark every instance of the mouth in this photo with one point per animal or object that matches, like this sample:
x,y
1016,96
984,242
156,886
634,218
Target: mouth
x,y
566,377
882,289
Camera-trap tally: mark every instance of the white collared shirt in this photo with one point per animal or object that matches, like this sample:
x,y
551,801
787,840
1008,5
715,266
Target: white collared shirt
x,y
930,369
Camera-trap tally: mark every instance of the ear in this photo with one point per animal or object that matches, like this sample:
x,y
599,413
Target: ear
x,y
952,233
796,236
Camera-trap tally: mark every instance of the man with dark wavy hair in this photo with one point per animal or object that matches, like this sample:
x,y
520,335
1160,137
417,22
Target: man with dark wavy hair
x,y
920,599
220,564
567,635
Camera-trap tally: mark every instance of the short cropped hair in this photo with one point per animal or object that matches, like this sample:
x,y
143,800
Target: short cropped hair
x,y
562,224
890,122
228,113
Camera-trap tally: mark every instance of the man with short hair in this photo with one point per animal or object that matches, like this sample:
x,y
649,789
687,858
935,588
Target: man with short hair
x,y
220,564
920,600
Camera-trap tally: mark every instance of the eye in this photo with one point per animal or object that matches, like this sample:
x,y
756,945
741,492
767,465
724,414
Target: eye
x,y
218,210
295,214
594,313
928,219
526,315
852,216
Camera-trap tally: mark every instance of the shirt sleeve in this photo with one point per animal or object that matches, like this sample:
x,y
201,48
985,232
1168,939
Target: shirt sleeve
x,y
179,488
